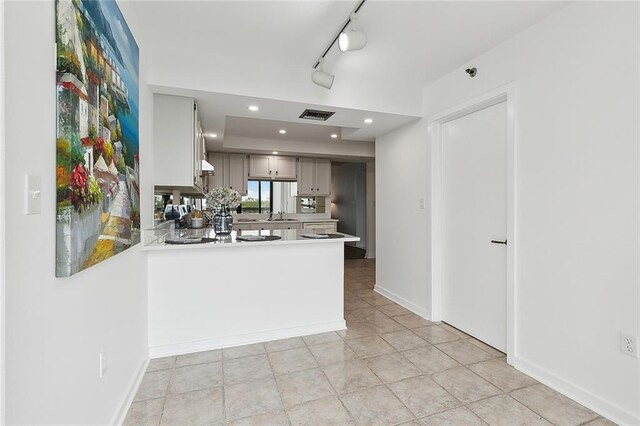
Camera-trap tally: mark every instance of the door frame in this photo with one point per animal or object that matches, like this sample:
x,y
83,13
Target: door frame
x,y
434,131
2,227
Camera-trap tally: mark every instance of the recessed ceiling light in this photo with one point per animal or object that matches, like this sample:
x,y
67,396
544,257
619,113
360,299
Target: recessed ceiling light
x,y
368,120
253,108
213,135
275,152
282,131
334,136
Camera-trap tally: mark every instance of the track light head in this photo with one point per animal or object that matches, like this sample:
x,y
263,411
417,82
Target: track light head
x,y
351,40
354,39
322,78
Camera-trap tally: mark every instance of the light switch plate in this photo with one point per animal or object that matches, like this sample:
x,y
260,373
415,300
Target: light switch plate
x,y
32,194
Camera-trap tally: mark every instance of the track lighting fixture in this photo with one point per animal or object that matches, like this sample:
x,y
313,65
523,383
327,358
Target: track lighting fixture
x,y
353,39
347,41
322,78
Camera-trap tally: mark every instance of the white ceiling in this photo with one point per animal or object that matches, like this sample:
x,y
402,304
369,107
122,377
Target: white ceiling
x,y
221,113
417,41
227,53
243,127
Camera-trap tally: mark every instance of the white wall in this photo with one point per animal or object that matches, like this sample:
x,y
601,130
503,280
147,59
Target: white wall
x,y
55,328
173,66
577,198
402,227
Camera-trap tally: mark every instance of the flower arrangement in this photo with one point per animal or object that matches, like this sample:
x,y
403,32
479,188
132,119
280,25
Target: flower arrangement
x,y
219,198
74,184
84,188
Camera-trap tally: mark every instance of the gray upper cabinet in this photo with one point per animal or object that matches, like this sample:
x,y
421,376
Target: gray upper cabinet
x,y
260,167
199,150
238,173
323,177
306,176
178,143
314,177
231,171
285,167
220,164
272,167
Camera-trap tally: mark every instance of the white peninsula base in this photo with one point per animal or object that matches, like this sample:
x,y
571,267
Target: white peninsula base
x,y
208,297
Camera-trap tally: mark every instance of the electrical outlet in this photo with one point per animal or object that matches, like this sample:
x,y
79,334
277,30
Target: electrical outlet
x,y
629,345
422,204
102,360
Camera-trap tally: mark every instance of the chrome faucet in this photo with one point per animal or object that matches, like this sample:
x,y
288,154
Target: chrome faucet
x,y
270,216
280,213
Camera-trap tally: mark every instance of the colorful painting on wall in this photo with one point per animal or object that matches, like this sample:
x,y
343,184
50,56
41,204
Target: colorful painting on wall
x,y
97,173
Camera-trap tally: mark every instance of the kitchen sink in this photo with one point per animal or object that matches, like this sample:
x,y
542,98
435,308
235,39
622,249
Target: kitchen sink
x,y
267,220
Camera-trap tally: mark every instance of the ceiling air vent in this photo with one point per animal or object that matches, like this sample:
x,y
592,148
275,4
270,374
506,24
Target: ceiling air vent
x,y
314,114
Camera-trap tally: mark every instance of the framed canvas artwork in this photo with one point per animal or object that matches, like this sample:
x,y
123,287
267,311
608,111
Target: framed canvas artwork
x,y
97,161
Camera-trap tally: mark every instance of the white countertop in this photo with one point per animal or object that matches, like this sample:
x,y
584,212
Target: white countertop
x,y
237,220
288,236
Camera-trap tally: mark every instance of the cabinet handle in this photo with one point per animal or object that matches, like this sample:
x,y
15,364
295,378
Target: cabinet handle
x,y
276,173
269,171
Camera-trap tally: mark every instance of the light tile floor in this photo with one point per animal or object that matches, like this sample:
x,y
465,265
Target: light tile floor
x,y
389,367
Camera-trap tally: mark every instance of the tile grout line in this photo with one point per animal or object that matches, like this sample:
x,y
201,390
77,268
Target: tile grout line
x,y
336,393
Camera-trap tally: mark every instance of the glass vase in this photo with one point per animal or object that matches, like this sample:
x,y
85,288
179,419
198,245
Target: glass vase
x,y
222,221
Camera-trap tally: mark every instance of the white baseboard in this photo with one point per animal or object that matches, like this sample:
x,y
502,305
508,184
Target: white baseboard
x,y
131,394
370,255
403,302
603,407
160,351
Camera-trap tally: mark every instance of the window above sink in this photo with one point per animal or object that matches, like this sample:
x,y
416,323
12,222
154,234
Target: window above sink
x,y
265,196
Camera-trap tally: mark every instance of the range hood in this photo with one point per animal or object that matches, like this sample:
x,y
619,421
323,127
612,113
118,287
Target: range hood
x,y
207,168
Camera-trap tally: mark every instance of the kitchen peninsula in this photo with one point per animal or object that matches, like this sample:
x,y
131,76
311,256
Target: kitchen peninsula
x,y
231,292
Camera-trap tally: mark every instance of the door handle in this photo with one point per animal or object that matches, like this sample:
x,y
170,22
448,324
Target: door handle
x,y
499,242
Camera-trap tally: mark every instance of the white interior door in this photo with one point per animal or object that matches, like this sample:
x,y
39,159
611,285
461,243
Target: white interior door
x,y
474,196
